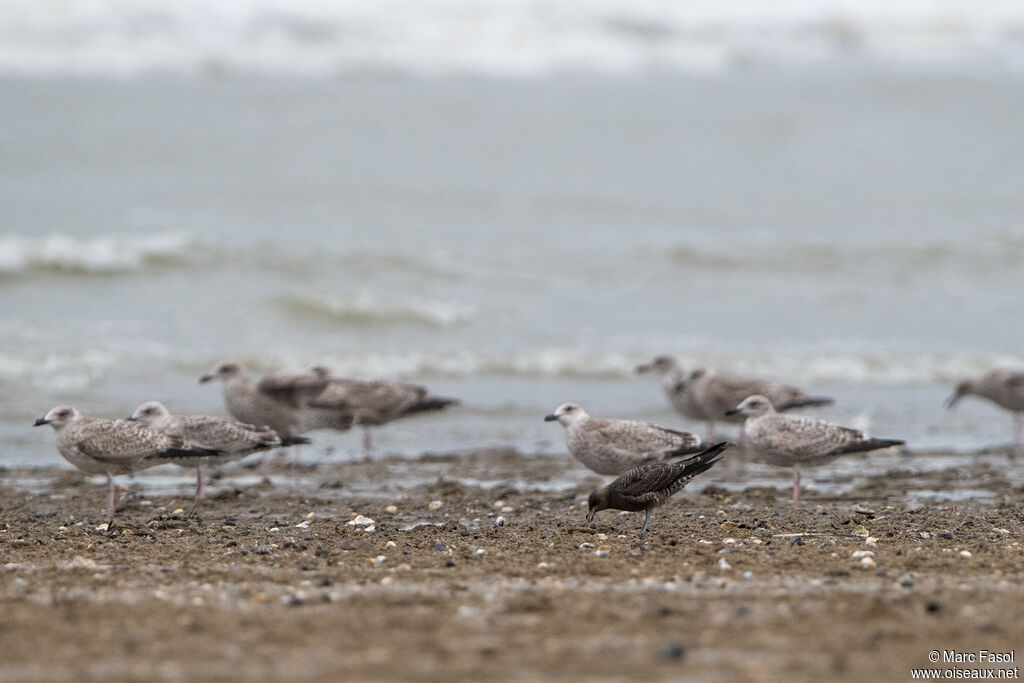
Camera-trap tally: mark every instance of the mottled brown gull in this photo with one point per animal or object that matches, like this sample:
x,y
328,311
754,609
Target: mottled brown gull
x,y
374,402
705,394
649,486
234,440
111,447
1004,387
794,440
614,446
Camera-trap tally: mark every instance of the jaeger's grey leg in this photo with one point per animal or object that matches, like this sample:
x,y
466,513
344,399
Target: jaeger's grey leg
x,y
647,519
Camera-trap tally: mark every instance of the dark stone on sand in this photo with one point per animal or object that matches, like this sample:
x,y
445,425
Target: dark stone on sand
x,y
932,606
672,652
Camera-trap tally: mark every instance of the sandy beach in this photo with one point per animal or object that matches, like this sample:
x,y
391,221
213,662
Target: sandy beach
x,y
271,579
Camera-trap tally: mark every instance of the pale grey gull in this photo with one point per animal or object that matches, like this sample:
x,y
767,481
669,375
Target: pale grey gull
x,y
277,401
705,394
613,446
1004,387
649,486
234,440
374,402
794,440
115,446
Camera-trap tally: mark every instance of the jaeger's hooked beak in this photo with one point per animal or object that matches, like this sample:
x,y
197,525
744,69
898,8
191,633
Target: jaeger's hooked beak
x,y
590,515
550,418
40,421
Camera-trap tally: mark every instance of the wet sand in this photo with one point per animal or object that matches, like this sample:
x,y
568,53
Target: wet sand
x,y
462,577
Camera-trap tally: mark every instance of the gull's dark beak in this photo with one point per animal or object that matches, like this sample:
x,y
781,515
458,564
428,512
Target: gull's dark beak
x,y
734,411
640,369
550,418
951,401
590,515
40,421
132,418
205,378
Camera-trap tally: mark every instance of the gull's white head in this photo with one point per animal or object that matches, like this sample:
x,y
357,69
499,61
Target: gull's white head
x,y
152,413
58,417
566,414
753,406
224,370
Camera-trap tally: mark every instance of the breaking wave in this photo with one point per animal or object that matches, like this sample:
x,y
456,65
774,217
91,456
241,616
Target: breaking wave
x,y
103,254
77,370
365,309
512,38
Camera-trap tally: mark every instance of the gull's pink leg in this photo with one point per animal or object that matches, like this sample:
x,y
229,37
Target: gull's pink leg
x,y
367,443
200,483
796,485
110,496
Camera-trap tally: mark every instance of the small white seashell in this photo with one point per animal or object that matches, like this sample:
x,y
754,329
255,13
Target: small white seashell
x,y
103,527
302,525
723,565
965,553
500,521
857,554
703,542
480,551
391,508
435,505
360,520
390,544
310,515
586,545
871,540
748,575
728,541
600,553
867,562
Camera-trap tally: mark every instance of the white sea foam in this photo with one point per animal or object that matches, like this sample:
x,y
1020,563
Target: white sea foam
x,y
365,309
507,38
75,370
101,254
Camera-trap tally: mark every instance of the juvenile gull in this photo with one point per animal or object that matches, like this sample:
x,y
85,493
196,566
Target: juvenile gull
x,y
674,384
649,486
277,401
614,446
111,447
793,440
704,394
234,440
374,402
1003,387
